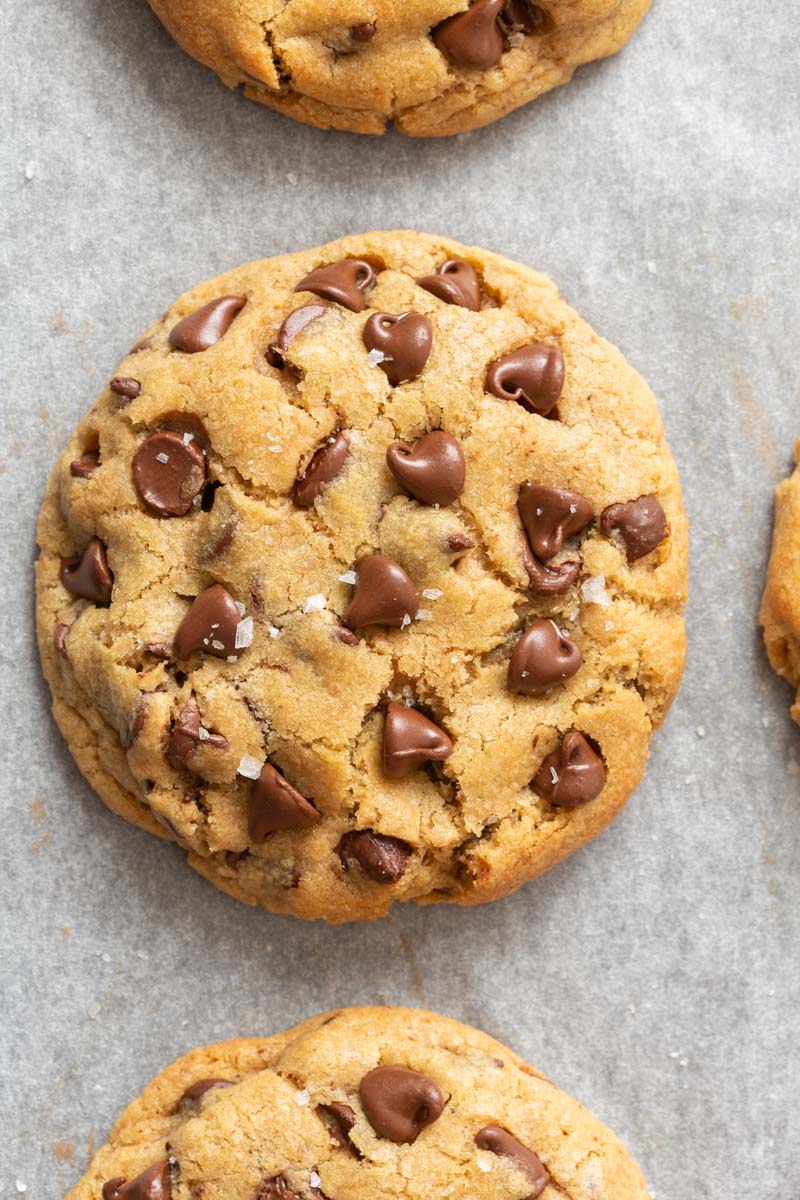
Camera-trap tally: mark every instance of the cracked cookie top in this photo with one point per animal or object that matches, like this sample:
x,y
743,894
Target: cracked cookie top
x,y
363,578
359,1104
431,67
780,607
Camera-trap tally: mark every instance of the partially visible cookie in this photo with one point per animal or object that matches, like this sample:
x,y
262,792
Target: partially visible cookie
x,y
363,578
780,607
359,1104
432,67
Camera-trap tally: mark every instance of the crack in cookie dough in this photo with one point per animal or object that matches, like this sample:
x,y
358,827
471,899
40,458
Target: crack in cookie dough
x,y
286,677
780,607
379,1103
432,67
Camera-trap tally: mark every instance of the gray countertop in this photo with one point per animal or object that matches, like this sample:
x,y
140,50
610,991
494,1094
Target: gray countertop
x,y
655,974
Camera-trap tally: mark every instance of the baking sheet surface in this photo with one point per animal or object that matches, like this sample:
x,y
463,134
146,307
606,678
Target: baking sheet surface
x,y
654,975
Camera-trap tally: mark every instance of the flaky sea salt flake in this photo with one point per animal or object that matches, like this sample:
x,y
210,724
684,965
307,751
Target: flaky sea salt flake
x,y
315,603
375,358
302,1098
349,577
202,733
404,624
273,631
432,593
162,457
249,767
424,614
244,633
594,591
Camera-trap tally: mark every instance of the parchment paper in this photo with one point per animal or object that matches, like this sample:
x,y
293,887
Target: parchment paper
x,y
654,975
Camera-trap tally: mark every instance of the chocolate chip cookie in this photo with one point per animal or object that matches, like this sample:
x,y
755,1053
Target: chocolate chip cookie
x,y
362,580
780,608
359,1104
432,67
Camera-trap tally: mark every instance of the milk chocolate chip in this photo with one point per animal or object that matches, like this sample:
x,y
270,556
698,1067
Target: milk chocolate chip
x,y
410,739
276,1189
152,1184
383,859
205,326
188,734
384,595
169,471
527,16
550,580
572,775
124,385
399,1103
455,282
209,625
640,524
276,805
551,514
533,375
60,638
194,1094
542,658
500,1141
344,282
339,1119
403,340
86,465
472,38
292,325
328,463
432,469
87,575
364,32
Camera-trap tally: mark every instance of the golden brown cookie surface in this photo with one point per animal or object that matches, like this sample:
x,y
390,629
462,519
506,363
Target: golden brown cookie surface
x,y
433,67
359,1104
347,640
780,608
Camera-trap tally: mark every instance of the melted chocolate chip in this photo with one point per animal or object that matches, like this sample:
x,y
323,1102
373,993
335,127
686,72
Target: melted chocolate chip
x,y
383,859
326,465
500,1141
339,1119
364,32
572,775
455,282
60,638
209,625
276,1189
551,514
346,636
169,472
542,658
458,544
472,38
640,524
344,282
404,340
188,734
205,326
550,580
152,1184
124,385
384,595
410,739
194,1094
86,465
527,16
276,805
399,1103
533,375
143,344
293,325
432,469
87,575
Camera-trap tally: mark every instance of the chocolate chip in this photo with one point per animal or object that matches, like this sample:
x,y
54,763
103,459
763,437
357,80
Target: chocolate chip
x,y
86,465
572,775
364,32
384,595
399,1103
169,472
276,1189
206,325
551,514
381,858
458,543
542,658
276,805
188,734
194,1094
152,1184
339,1119
472,38
432,469
641,525
404,341
87,575
138,722
292,325
157,649
346,636
326,465
209,625
139,346
524,15
410,739
60,638
545,578
500,1141
455,282
124,385
344,282
209,495
533,375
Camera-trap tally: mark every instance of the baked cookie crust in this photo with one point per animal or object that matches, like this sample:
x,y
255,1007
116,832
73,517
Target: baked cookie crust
x,y
430,67
359,1104
780,607
331,688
